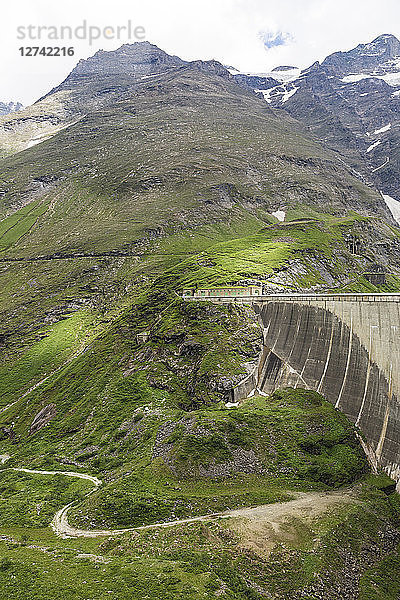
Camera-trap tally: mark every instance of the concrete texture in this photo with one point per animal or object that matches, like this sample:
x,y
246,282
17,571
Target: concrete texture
x,y
345,346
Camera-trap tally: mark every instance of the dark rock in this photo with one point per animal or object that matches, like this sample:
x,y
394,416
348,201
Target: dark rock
x,y
43,417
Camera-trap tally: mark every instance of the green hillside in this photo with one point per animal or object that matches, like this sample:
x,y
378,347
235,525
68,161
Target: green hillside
x,y
172,182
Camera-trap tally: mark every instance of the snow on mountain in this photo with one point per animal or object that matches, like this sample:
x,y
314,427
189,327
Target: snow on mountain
x,y
279,214
393,205
392,79
280,93
283,76
383,129
374,145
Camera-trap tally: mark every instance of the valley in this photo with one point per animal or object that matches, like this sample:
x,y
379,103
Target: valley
x,y
151,175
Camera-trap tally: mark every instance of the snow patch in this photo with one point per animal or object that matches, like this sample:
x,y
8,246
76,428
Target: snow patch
x,y
279,214
149,76
374,145
266,94
38,139
393,205
387,159
232,404
35,141
356,77
392,79
285,76
281,76
279,90
383,129
289,94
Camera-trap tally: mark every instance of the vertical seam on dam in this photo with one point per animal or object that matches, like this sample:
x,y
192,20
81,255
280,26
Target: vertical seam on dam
x,y
366,379
381,442
328,357
348,362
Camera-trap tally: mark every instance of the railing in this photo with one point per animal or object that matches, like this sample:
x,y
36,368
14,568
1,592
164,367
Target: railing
x,y
348,297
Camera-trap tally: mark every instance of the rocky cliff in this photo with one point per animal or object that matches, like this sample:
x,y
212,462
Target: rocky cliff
x,y
351,101
9,107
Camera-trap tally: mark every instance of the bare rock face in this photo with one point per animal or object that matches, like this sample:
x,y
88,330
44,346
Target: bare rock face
x,y
43,417
6,108
380,54
138,59
351,101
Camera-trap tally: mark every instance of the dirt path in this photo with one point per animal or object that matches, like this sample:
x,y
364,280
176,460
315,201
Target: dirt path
x,y
41,381
261,528
253,522
310,504
97,482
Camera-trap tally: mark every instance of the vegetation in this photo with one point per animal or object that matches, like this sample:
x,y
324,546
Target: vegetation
x,y
168,185
31,500
210,460
214,559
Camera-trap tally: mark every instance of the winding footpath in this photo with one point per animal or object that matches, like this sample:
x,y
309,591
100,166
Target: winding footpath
x,y
304,504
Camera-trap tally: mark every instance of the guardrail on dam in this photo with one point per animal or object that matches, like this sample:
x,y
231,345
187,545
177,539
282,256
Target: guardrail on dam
x,y
345,346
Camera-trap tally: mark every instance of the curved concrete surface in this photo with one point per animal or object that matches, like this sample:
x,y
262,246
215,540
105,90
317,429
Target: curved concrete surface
x,y
347,349
346,346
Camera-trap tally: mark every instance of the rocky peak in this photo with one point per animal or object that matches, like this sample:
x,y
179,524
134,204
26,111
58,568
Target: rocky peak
x,y
138,59
314,68
385,44
9,107
283,68
377,57
211,66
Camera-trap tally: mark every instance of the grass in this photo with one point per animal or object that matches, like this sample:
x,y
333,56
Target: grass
x,y
171,188
29,500
287,431
14,227
208,559
58,343
292,440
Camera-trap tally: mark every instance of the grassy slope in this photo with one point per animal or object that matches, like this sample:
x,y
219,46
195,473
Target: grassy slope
x,y
214,459
302,443
174,186
210,560
32,500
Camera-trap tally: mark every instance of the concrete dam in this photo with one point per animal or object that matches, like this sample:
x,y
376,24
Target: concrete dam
x,y
345,346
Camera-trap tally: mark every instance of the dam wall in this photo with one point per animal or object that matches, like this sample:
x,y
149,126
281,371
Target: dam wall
x,y
345,346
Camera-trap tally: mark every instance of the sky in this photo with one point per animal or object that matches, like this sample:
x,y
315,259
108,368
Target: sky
x,y
251,35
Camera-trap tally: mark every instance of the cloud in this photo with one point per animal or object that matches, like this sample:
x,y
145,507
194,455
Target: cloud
x,y
271,39
252,35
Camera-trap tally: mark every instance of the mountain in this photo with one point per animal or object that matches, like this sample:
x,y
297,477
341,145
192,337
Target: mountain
x,y
129,195
351,101
97,82
377,58
138,176
6,108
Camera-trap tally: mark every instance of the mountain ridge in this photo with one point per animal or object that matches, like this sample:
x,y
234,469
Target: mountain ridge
x,y
119,194
351,101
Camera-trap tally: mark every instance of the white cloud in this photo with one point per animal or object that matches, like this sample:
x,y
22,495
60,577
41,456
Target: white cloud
x,y
273,39
227,30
